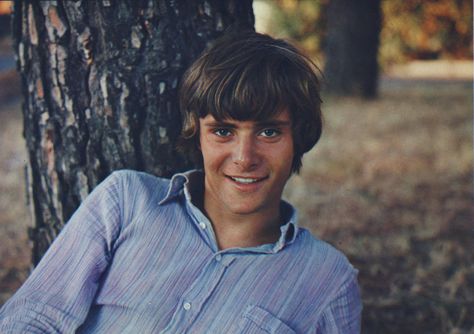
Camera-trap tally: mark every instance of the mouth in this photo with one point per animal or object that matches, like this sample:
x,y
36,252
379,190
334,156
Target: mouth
x,y
246,180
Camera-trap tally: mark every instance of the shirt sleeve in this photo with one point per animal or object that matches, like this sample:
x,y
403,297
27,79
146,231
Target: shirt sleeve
x,y
343,314
58,294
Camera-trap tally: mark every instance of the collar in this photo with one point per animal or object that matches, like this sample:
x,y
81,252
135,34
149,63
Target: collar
x,y
181,183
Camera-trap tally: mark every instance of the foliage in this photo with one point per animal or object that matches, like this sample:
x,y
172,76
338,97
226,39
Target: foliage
x,y
412,29
416,29
300,20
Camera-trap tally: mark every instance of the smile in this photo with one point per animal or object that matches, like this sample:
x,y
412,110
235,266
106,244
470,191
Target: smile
x,y
243,180
246,180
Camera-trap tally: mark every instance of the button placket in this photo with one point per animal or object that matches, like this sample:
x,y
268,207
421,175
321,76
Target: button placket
x,y
195,299
192,301
203,224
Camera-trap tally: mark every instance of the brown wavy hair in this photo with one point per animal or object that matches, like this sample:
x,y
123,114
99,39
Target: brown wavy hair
x,y
251,76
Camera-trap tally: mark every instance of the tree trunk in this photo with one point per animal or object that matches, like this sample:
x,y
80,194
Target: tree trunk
x,y
100,80
353,29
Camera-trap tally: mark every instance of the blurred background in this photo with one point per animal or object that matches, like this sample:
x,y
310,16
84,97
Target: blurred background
x,y
390,183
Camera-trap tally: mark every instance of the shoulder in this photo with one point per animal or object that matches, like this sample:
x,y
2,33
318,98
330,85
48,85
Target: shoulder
x,y
122,193
137,191
131,180
324,263
330,277
335,286
319,249
134,176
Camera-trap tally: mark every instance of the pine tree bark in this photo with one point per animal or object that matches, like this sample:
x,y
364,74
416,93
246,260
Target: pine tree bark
x,y
99,80
353,29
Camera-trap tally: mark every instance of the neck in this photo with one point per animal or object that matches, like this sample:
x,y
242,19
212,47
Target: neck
x,y
242,230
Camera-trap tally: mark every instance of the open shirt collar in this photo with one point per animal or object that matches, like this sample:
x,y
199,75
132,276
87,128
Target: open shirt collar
x,y
181,184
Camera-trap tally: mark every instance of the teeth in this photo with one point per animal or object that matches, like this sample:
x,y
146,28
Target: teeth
x,y
244,180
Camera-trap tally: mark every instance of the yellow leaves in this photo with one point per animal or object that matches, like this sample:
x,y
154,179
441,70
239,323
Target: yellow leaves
x,y
5,7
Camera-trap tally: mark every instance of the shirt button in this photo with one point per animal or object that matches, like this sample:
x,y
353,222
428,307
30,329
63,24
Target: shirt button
x,y
218,257
187,306
202,225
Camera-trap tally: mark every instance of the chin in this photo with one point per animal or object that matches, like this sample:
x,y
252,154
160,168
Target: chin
x,y
244,209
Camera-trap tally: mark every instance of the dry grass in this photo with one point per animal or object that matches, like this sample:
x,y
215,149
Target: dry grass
x,y
14,218
390,184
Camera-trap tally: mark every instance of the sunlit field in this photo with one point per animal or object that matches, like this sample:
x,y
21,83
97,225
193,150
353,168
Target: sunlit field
x,y
390,184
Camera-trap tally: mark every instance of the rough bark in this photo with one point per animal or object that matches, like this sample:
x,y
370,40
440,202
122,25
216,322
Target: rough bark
x,y
5,25
353,29
100,80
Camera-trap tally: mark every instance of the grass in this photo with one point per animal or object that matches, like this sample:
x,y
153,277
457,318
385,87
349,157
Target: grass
x,y
14,217
390,184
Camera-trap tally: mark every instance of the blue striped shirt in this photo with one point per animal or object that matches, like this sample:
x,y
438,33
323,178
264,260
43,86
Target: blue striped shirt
x,y
139,257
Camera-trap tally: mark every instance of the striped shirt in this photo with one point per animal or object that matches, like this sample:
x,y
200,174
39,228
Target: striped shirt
x,y
139,257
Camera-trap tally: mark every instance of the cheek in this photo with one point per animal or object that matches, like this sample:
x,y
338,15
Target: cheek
x,y
284,150
285,157
213,155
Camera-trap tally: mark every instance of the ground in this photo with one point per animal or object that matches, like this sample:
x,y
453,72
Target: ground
x,y
390,184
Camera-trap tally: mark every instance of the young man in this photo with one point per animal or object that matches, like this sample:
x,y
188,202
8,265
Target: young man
x,y
213,250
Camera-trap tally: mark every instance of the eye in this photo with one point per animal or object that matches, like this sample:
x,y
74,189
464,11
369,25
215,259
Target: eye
x,y
222,132
270,133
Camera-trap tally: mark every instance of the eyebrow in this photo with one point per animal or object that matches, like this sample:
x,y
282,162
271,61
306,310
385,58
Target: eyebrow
x,y
265,123
214,124
275,122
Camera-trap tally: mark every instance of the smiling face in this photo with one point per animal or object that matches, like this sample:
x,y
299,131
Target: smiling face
x,y
246,164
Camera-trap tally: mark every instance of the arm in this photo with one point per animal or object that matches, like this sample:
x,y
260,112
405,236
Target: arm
x,y
343,314
57,296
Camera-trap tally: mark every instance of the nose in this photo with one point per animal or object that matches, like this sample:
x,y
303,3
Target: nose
x,y
245,154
